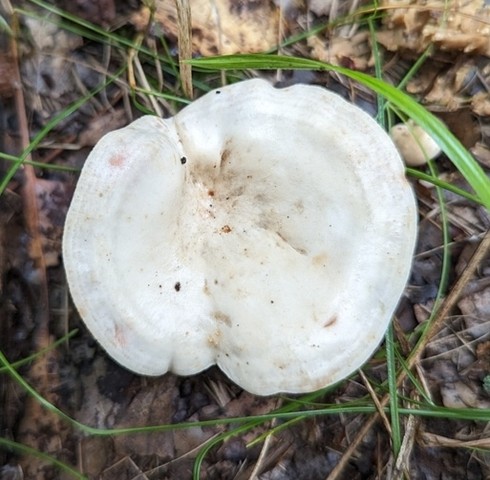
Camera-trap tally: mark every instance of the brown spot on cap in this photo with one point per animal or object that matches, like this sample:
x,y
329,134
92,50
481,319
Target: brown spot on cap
x,y
226,229
214,339
225,156
331,321
320,260
222,317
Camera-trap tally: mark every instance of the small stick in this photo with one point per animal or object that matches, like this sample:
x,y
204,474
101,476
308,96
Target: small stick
x,y
185,45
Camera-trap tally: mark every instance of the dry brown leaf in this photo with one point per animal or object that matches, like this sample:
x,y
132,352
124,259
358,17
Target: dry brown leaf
x,y
151,405
48,70
51,201
482,153
100,12
94,455
476,305
221,26
123,469
351,51
480,104
99,125
483,355
460,395
462,85
457,26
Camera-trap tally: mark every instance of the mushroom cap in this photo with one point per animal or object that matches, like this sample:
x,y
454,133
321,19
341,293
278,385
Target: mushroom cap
x,y
415,145
268,231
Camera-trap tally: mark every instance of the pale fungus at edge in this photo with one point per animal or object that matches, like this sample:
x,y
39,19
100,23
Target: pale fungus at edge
x,y
415,145
268,231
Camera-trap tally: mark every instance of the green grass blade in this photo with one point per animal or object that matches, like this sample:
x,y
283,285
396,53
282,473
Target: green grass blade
x,y
44,166
396,437
5,27
413,172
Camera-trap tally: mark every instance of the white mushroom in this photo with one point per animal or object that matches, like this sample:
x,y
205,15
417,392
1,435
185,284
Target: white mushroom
x,y
267,231
415,145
